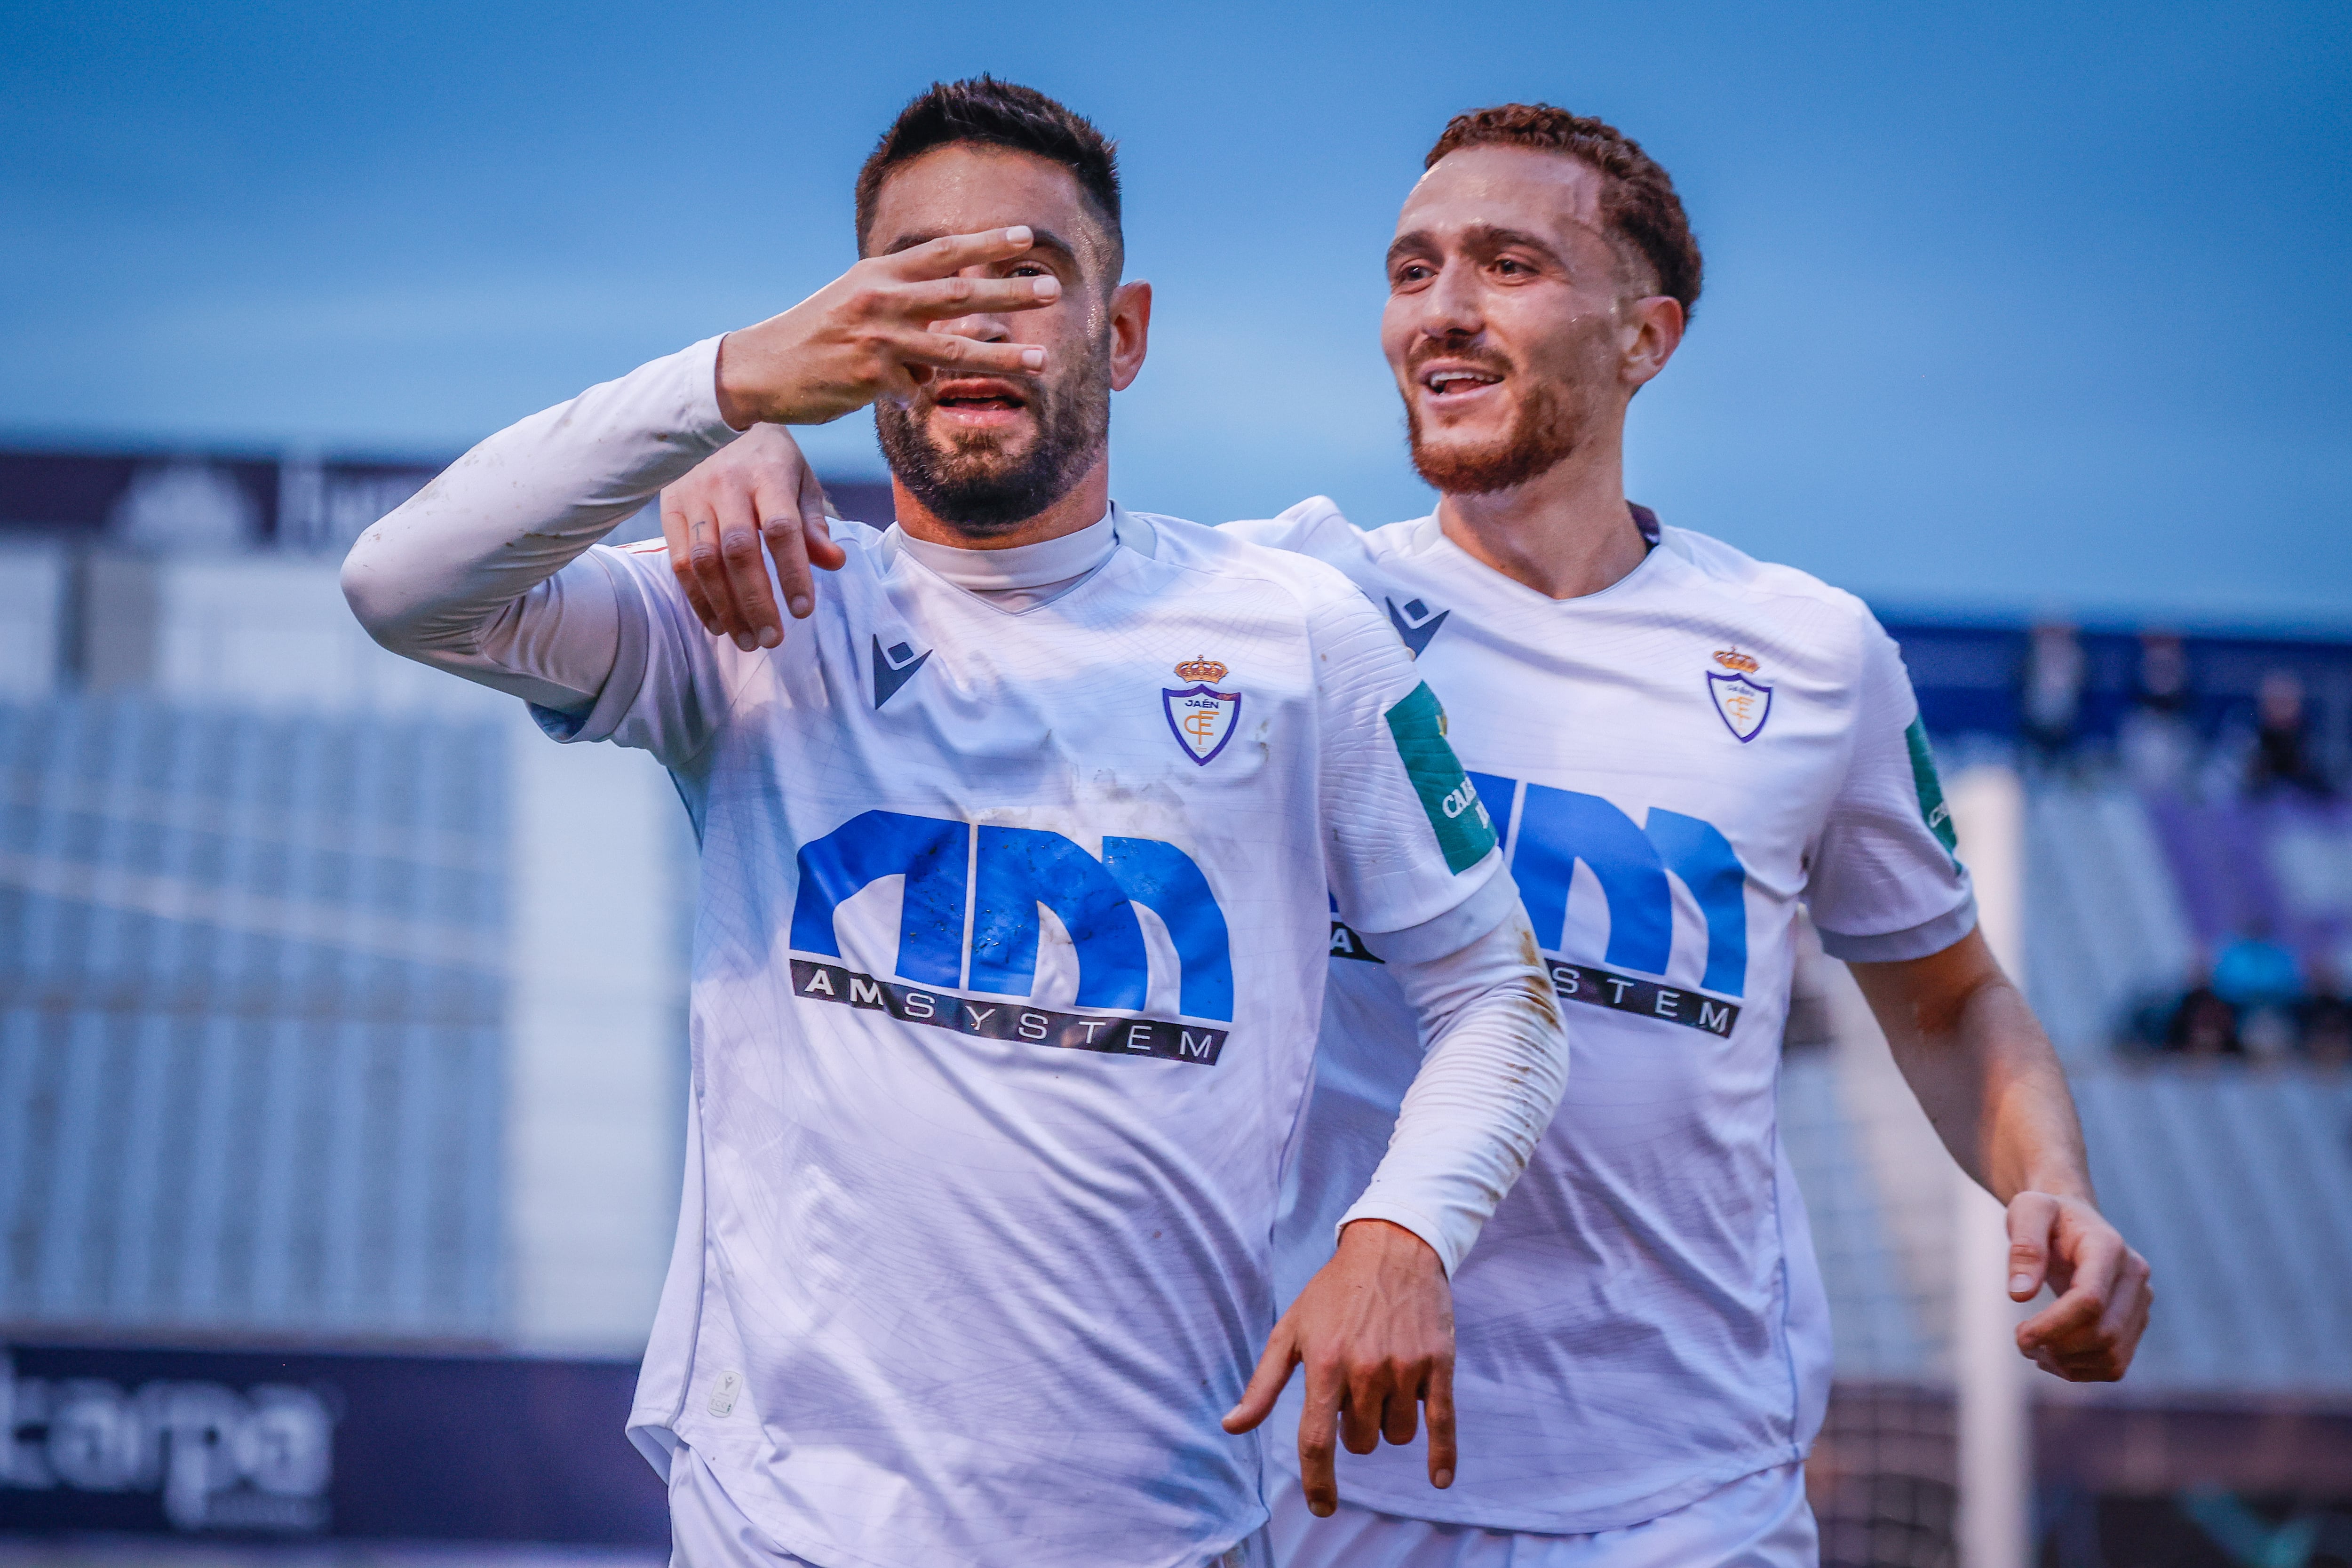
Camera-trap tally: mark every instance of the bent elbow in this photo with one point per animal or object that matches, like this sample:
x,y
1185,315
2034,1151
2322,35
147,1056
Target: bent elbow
x,y
375,594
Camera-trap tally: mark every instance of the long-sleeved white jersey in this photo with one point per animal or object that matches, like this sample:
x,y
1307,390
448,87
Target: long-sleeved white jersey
x,y
1007,971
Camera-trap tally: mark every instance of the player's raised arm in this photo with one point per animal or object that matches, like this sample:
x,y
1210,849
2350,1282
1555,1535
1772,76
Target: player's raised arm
x,y
1416,861
475,574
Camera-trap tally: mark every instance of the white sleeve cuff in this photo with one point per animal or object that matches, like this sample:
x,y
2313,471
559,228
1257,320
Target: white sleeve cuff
x,y
1915,942
1487,907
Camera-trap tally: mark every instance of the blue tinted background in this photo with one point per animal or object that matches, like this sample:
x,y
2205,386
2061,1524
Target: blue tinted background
x,y
2029,308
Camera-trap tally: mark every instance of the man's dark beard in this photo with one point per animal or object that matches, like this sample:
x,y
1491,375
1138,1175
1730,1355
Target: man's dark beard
x,y
1543,432
969,486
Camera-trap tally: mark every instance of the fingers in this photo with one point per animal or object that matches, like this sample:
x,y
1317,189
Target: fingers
x,y
676,535
1402,1418
1362,1414
2091,1332
1317,1476
1439,1396
952,253
2031,1216
943,298
2102,1351
816,532
745,574
951,351
784,532
1266,1383
708,571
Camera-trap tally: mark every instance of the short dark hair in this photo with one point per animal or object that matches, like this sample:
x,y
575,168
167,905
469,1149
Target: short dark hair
x,y
998,114
1639,205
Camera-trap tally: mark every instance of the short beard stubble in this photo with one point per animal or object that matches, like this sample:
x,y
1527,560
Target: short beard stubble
x,y
1543,431
971,486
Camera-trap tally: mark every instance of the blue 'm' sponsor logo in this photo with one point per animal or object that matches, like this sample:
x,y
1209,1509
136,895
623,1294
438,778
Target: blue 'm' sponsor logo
x,y
1002,876
1556,828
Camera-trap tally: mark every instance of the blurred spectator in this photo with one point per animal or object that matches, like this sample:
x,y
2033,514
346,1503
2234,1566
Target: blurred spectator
x,y
2324,1019
2282,753
2255,971
2049,703
2261,980
2157,738
2202,1025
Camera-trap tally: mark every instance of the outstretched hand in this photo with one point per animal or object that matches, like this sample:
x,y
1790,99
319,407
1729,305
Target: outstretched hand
x,y
757,487
868,334
1374,1329
2090,1332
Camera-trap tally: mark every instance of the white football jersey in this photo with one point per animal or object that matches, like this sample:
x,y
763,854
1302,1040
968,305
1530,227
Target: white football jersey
x,y
1008,963
1680,760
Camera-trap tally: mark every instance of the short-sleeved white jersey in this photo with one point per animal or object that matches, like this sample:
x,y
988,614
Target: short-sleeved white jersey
x,y
1008,962
1680,760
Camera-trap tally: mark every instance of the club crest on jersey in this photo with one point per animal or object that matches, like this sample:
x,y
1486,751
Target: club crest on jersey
x,y
1742,701
1200,717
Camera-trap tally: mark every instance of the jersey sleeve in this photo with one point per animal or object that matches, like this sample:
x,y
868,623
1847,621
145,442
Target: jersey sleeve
x,y
493,573
1887,882
671,680
1315,527
1412,850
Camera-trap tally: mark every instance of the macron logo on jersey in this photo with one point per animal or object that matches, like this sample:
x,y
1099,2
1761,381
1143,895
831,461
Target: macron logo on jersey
x,y
968,922
1417,622
1557,828
894,667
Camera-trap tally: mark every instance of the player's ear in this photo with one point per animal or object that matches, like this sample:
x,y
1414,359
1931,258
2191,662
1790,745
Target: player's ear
x,y
1657,324
1130,332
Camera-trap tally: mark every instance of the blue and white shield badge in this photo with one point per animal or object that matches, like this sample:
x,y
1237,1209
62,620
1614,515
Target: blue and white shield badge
x,y
1200,717
1742,701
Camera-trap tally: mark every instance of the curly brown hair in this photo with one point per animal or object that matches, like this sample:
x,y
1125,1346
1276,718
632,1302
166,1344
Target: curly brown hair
x,y
1640,204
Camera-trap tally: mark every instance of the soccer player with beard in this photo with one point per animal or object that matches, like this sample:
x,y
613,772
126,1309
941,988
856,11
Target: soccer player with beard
x,y
1643,1352
975,1249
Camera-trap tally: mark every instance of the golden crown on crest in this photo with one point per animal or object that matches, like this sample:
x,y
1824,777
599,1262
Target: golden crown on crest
x,y
1204,669
1732,658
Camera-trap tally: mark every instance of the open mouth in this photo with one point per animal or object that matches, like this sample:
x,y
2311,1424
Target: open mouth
x,y
1449,384
978,399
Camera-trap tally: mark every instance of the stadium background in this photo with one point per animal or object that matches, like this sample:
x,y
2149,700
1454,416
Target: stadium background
x,y
341,1091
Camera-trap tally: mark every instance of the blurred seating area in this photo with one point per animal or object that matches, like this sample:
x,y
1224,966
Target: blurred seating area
x,y
2190,875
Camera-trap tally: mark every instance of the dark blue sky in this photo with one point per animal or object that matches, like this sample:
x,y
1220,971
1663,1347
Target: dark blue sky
x,y
2030,306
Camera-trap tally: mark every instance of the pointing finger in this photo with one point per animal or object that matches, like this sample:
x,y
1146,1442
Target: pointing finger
x,y
1316,1475
1439,1398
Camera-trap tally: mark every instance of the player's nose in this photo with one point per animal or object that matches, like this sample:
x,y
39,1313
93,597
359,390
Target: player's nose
x,y
980,326
1452,306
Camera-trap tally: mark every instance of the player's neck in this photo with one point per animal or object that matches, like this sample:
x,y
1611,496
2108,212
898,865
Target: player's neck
x,y
1565,533
1082,508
